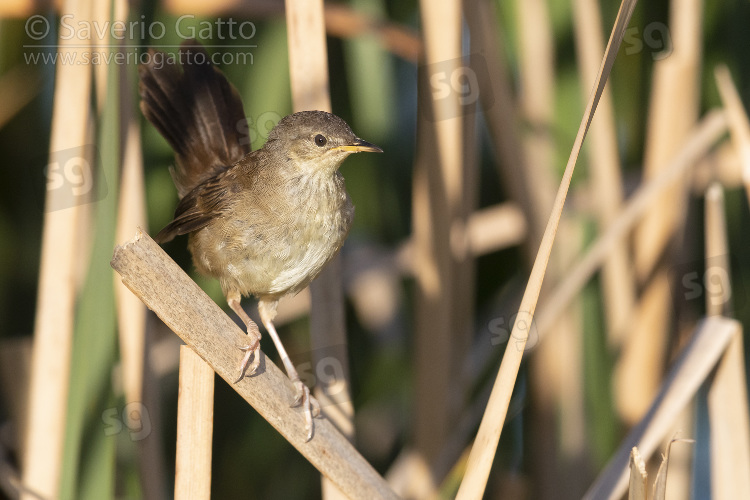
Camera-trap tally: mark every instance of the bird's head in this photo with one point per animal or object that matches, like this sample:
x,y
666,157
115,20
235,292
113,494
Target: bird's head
x,y
316,141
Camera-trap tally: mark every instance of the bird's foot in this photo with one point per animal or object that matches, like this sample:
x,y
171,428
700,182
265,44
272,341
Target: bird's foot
x,y
251,351
308,403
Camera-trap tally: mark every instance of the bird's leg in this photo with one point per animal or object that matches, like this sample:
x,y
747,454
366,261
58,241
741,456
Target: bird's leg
x,y
253,348
309,404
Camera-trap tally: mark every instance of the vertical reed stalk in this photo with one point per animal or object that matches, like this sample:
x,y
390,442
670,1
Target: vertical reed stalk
x,y
53,330
195,425
308,71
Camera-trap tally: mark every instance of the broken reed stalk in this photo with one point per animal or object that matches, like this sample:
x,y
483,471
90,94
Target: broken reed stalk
x,y
485,445
638,477
638,489
165,288
195,425
708,343
55,307
308,74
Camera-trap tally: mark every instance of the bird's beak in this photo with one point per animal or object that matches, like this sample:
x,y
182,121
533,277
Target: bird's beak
x,y
359,146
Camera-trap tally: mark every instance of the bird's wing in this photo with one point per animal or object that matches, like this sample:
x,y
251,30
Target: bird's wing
x,y
200,206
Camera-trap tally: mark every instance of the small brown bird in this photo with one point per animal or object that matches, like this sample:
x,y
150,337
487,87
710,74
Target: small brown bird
x,y
264,223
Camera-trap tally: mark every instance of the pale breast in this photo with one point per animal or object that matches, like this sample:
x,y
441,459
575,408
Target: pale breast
x,y
270,249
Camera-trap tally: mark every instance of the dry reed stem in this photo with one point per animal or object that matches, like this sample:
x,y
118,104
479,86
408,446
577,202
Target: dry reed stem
x,y
308,55
618,286
195,425
139,382
100,14
705,135
730,425
165,289
308,73
536,107
716,256
645,346
464,265
739,125
660,484
55,308
551,377
131,313
678,461
411,476
485,444
727,397
499,107
131,212
432,307
717,251
558,443
638,477
708,343
673,110
438,187
558,395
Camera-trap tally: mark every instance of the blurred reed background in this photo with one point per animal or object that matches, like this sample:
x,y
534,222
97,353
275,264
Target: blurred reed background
x,y
476,105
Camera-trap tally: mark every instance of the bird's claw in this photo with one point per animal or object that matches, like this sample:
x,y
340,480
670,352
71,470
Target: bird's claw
x,y
309,405
251,350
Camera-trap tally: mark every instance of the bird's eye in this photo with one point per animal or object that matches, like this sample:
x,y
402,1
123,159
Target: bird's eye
x,y
320,140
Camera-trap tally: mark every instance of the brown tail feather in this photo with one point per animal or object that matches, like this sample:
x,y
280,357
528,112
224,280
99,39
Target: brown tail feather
x,y
196,110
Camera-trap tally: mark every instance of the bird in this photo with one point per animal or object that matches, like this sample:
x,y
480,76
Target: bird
x,y
264,223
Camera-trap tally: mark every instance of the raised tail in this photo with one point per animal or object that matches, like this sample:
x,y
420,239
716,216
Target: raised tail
x,y
196,110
